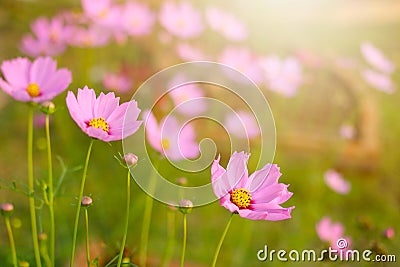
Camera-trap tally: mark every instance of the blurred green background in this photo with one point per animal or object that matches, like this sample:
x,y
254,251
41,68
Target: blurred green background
x,y
307,125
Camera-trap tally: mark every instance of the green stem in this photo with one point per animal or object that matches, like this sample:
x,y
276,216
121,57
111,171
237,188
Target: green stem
x,y
128,201
51,191
184,240
78,208
87,237
32,208
12,244
144,238
214,262
171,238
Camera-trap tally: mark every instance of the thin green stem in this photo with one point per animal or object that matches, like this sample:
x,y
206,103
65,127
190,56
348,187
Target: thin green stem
x,y
171,238
78,207
87,237
51,191
214,262
128,201
12,244
32,208
184,240
144,238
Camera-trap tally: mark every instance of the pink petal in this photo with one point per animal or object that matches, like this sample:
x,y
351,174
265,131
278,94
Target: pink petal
x,y
16,71
86,98
265,177
153,132
237,169
42,68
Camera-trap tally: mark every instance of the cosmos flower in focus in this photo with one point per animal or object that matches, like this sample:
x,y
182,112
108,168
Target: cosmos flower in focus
x,y
36,81
103,117
170,138
282,76
181,20
257,197
49,37
336,182
226,24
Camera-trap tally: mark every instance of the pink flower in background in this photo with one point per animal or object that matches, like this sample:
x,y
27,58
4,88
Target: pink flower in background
x,y
104,13
244,61
379,81
328,231
336,182
389,233
242,124
170,138
49,37
257,197
137,19
282,76
189,53
309,58
184,93
228,25
103,117
376,58
181,20
94,36
347,131
36,81
117,82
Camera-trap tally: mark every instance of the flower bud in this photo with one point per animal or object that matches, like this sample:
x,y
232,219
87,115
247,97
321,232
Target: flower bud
x,y
185,206
48,107
86,201
130,159
6,209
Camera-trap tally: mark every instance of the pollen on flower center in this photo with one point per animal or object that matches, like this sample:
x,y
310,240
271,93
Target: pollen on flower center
x,y
241,197
33,90
100,123
165,144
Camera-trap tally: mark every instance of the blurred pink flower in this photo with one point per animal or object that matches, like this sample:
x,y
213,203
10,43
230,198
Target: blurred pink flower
x,y
103,117
389,233
170,138
36,81
347,131
185,93
49,37
189,53
257,197
376,58
244,61
228,25
117,82
104,13
137,19
94,36
242,124
328,231
181,20
379,81
282,76
336,182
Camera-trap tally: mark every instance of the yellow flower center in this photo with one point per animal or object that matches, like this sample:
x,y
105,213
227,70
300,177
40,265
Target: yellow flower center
x,y
100,123
241,198
33,90
165,144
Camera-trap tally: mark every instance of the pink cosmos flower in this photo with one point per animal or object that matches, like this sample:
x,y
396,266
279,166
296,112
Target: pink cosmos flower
x,y
117,82
226,24
336,182
257,197
94,36
137,19
49,37
347,131
170,138
244,61
332,233
379,81
376,58
282,76
181,20
185,93
103,117
189,53
242,124
36,81
104,13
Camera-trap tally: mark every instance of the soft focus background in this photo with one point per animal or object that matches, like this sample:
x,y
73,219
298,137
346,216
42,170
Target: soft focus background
x,y
328,116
